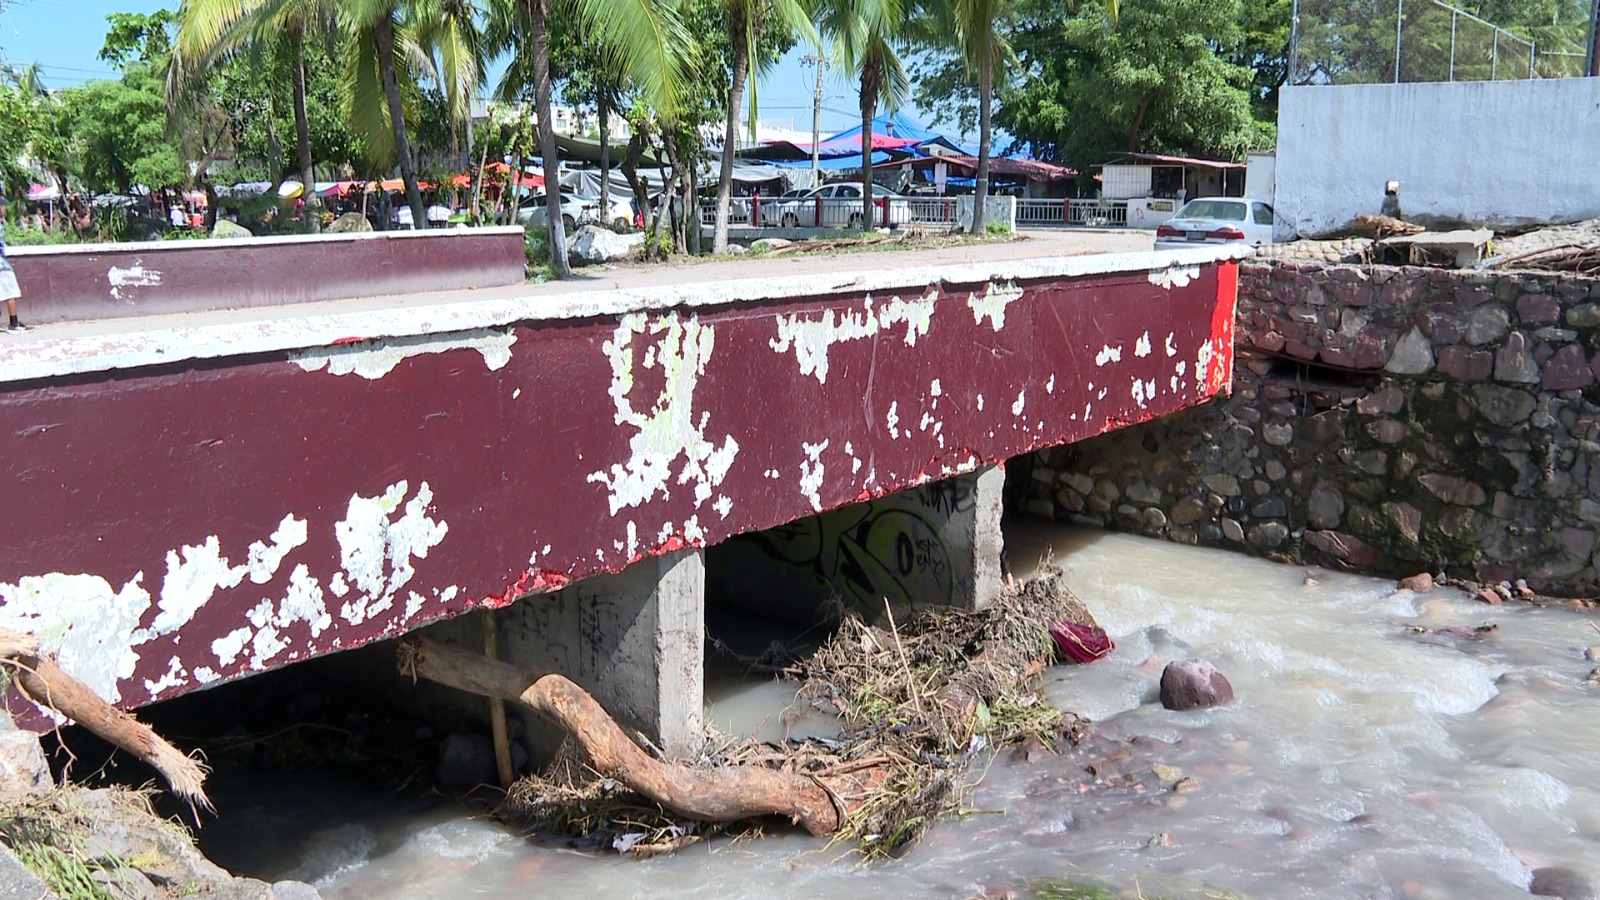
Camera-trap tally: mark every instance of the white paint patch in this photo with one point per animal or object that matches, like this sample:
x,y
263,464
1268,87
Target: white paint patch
x,y
893,419
264,558
1174,276
135,275
1172,348
1022,399
516,393
992,305
723,505
935,389
1181,367
205,675
375,549
414,605
811,338
377,358
1108,354
1202,363
927,420
229,646
1141,348
89,625
171,679
193,574
667,429
1050,386
811,473
980,403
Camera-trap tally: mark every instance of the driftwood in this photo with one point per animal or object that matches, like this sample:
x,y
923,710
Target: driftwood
x,y
726,794
45,683
1379,227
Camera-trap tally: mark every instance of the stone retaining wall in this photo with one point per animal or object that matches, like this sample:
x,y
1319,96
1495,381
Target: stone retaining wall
x,y
1390,419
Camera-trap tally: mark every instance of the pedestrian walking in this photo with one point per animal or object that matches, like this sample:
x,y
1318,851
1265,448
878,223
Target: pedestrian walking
x,y
10,291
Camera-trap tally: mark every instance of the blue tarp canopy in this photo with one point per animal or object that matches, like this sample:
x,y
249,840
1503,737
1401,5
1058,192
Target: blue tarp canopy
x,y
832,164
897,125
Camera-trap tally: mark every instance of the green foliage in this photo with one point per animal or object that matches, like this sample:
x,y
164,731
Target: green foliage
x,y
997,229
138,38
120,131
1153,79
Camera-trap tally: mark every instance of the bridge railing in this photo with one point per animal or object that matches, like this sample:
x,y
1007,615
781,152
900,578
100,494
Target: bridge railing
x,y
1081,213
812,212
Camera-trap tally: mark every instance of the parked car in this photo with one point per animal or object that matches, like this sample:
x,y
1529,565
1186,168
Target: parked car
x,y
531,212
1217,220
841,207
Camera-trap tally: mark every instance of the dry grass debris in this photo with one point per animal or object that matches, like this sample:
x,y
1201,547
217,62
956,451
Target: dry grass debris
x,y
921,705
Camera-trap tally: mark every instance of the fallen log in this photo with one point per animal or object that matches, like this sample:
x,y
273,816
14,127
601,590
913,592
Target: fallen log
x,y
726,794
45,683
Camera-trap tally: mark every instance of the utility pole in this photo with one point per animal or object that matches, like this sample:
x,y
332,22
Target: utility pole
x,y
816,120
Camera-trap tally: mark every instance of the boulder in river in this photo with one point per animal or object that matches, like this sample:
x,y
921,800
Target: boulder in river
x,y
1194,684
1421,582
1554,881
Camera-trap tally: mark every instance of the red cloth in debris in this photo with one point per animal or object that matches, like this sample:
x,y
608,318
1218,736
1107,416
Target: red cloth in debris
x,y
1081,643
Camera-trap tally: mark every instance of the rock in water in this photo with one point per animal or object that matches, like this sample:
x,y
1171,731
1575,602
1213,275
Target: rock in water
x,y
594,244
226,229
1564,883
1421,582
350,223
1193,684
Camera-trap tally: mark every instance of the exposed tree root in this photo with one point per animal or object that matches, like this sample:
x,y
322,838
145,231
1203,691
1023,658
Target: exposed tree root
x,y
45,683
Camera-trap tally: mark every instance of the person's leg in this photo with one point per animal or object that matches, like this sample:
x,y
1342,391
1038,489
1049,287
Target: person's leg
x,y
11,310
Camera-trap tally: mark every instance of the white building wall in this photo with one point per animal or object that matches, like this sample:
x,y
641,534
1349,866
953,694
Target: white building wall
x,y
1496,153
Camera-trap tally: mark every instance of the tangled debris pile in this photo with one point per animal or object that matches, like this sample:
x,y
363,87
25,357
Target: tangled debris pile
x,y
918,702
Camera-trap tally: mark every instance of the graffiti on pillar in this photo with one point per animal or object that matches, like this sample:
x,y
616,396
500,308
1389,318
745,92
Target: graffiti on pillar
x,y
897,548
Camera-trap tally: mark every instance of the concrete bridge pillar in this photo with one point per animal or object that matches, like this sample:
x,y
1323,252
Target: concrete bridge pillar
x,y
635,640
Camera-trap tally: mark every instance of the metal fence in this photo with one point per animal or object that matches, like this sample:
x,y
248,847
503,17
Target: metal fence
x,y
1382,41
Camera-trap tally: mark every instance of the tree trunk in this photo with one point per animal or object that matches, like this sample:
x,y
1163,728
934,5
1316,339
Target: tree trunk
x,y
630,171
383,34
302,134
980,196
730,143
539,39
869,104
603,111
704,794
696,232
1138,121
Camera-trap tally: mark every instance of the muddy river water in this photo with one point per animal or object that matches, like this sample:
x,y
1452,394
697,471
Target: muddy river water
x,y
1361,759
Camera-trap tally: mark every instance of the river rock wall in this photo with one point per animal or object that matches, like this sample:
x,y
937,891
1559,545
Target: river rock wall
x,y
1387,419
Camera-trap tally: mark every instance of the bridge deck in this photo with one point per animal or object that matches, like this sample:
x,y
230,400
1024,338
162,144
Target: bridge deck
x,y
218,494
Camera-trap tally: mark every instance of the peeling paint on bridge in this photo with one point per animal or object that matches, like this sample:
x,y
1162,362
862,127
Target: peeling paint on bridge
x,y
187,507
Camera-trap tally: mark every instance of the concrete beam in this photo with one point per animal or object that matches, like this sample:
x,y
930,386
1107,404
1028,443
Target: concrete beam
x,y
635,640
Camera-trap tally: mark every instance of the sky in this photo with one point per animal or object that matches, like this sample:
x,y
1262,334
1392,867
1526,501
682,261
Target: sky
x,y
64,36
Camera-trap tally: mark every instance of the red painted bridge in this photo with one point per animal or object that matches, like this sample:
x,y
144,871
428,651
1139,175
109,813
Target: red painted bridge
x,y
191,499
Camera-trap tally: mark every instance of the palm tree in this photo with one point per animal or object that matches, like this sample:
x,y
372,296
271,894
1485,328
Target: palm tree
x,y
975,25
448,34
747,21
212,31
646,35
374,73
864,34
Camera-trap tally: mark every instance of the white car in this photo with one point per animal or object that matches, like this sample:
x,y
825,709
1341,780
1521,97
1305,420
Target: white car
x,y
531,212
840,207
1217,220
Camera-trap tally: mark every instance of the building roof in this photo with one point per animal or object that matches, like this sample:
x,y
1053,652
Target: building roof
x,y
1163,160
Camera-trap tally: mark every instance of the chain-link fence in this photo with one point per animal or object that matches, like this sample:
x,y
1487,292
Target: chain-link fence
x,y
1381,41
